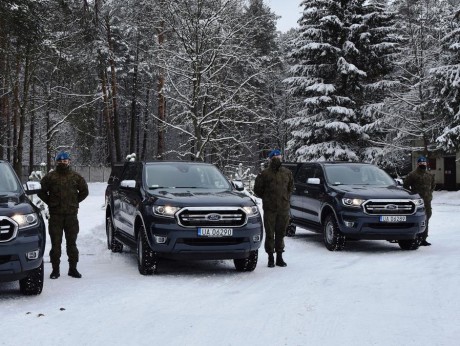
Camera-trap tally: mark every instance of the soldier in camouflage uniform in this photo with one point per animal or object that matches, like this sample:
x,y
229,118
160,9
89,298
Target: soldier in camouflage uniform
x,y
62,190
275,185
422,182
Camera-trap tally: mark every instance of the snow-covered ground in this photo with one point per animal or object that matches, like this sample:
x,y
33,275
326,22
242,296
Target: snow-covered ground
x,y
372,293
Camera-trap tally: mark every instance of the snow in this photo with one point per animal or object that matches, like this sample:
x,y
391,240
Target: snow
x,y
372,293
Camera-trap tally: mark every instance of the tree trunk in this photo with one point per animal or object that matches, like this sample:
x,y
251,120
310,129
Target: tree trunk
x,y
116,120
132,136
105,111
161,102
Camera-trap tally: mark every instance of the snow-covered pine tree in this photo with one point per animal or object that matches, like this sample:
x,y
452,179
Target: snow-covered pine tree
x,y
378,44
447,79
412,111
328,126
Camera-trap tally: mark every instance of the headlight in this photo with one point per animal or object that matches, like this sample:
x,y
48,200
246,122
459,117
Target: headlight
x,y
353,202
165,210
419,203
25,221
251,211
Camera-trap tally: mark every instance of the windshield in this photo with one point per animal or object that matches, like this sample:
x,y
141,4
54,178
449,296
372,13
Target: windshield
x,y
8,181
184,175
356,174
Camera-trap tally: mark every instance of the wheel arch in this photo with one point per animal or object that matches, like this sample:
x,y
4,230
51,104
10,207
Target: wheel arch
x,y
325,211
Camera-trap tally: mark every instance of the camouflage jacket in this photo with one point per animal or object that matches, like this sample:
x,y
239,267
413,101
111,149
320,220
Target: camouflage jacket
x,y
275,185
421,182
63,191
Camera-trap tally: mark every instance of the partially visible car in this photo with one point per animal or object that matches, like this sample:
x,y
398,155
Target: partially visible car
x,y
346,200
22,234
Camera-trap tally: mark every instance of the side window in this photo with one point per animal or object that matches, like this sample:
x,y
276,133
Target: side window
x,y
319,174
131,172
305,172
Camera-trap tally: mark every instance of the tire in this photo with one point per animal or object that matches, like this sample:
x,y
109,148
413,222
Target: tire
x,y
112,243
411,244
32,284
332,237
147,261
247,264
291,229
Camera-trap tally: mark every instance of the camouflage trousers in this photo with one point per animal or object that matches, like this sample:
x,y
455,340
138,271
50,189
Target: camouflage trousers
x,y
59,225
275,224
428,212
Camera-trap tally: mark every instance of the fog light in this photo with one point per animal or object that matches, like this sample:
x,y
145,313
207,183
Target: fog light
x,y
256,238
349,223
160,239
33,254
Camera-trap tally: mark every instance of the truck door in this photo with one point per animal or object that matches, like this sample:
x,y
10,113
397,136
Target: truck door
x,y
305,203
128,198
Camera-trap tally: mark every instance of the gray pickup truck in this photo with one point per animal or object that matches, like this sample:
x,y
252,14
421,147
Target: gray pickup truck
x,y
22,235
180,210
345,200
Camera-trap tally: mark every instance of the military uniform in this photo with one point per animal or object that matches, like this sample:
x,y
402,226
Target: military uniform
x,y
62,190
275,185
421,182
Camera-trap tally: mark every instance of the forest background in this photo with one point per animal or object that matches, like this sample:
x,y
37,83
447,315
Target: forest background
x,y
213,80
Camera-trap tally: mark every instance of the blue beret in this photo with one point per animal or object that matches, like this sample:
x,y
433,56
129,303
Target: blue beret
x,y
421,159
62,156
275,152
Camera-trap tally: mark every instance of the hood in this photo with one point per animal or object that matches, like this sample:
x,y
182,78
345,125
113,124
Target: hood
x,y
200,197
369,192
11,203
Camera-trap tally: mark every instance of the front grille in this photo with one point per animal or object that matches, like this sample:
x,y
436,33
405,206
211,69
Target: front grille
x,y
8,229
212,217
389,207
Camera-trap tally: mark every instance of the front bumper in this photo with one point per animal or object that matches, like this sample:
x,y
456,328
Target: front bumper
x,y
14,264
363,226
184,243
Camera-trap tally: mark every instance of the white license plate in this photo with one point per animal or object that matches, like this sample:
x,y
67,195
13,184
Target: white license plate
x,y
392,218
215,232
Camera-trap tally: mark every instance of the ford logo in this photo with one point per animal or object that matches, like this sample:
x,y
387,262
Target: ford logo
x,y
391,207
213,217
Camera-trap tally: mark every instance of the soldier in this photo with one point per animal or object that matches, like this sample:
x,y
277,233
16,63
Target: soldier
x,y
275,185
421,182
63,189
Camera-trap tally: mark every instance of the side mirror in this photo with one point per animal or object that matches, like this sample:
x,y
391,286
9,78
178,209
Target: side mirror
x,y
398,181
32,187
128,183
313,181
238,185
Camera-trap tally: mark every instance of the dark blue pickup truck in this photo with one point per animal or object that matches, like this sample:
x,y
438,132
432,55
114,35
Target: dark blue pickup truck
x,y
180,210
22,235
345,200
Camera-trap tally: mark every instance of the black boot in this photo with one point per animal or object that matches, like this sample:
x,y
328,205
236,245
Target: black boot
x,y
55,273
279,260
424,243
271,260
73,272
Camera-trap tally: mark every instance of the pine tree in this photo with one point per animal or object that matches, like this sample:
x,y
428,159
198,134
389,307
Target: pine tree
x,y
328,126
447,78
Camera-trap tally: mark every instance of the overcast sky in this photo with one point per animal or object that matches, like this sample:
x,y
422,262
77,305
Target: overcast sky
x,y
289,11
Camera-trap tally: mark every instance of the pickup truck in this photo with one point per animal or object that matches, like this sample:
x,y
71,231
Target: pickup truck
x,y
345,200
180,210
22,234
